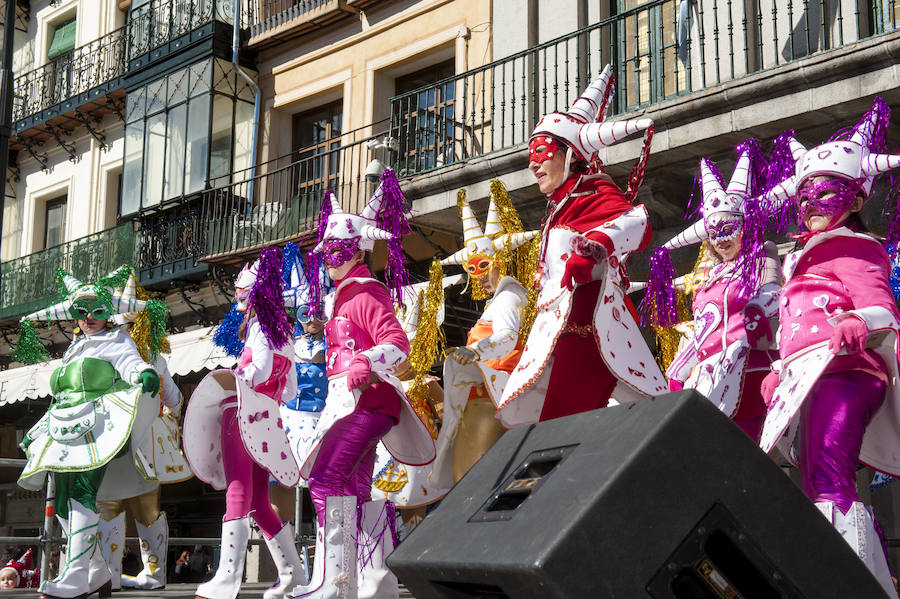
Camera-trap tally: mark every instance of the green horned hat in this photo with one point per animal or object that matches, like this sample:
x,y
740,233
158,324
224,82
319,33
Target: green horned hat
x,y
78,300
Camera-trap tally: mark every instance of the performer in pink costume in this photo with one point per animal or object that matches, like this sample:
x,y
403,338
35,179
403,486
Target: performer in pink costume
x,y
234,437
731,347
832,402
585,334
366,403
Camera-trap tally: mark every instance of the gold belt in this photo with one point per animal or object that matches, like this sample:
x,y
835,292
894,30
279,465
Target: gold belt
x,y
582,330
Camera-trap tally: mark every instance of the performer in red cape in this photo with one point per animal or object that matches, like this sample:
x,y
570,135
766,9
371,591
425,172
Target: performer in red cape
x,y
585,334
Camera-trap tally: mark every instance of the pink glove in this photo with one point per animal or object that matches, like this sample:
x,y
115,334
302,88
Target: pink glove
x,y
358,372
769,384
578,271
852,333
756,325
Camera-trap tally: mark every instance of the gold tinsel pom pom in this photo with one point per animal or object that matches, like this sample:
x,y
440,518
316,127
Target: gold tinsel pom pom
x,y
427,345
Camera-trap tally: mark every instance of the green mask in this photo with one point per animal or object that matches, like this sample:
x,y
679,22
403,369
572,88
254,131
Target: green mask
x,y
89,305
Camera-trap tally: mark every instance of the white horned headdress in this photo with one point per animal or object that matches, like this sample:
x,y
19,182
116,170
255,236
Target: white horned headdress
x,y
584,129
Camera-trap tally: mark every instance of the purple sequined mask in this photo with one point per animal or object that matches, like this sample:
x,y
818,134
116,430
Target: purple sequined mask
x,y
723,227
829,197
337,252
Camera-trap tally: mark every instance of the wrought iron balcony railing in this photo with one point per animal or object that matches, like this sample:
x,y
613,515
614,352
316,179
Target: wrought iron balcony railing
x,y
290,18
101,61
169,244
283,203
161,21
74,73
661,49
29,283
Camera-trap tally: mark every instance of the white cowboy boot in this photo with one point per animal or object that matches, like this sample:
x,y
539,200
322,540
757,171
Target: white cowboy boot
x,y
82,556
857,527
335,562
291,572
227,581
376,542
111,535
154,545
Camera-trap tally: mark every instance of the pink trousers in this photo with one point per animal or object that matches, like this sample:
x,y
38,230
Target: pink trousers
x,y
247,482
346,458
833,420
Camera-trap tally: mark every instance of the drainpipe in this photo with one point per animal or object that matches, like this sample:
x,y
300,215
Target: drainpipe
x,y
235,44
6,99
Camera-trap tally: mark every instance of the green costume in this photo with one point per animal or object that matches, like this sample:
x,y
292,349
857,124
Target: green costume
x,y
103,395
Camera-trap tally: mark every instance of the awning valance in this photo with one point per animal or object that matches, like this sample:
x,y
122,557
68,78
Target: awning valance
x,y
192,351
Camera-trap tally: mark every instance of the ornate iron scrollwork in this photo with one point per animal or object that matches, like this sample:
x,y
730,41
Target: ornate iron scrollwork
x,y
90,122
57,133
40,157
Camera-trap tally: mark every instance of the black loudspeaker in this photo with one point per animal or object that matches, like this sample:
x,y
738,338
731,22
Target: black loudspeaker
x,y
662,498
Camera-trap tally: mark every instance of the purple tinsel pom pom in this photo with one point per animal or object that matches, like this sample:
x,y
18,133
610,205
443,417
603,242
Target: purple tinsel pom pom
x,y
267,299
392,218
660,301
780,167
226,334
324,213
752,254
319,284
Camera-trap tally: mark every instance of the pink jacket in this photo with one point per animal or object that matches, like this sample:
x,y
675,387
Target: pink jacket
x,y
841,274
363,322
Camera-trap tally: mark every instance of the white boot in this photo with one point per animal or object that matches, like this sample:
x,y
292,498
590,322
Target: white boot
x,y
858,529
111,534
154,545
376,542
227,581
99,575
291,572
334,572
82,552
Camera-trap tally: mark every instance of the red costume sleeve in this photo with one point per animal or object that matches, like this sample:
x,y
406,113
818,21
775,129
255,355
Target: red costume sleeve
x,y
582,213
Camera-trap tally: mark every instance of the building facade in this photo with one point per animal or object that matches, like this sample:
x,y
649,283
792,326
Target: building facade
x,y
155,132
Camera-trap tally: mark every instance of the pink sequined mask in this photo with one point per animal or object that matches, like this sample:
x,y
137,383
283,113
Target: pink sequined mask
x,y
337,252
830,197
725,228
542,148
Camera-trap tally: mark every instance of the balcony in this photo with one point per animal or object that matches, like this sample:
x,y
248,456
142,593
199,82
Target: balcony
x,y
86,74
662,49
169,244
282,203
29,282
88,79
280,20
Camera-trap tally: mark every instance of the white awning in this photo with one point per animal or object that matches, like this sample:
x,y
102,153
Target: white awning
x,y
192,351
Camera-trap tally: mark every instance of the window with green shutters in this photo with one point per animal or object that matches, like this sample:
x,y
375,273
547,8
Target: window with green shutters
x,y
63,40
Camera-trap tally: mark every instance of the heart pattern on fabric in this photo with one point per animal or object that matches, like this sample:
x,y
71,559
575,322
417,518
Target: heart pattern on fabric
x,y
705,322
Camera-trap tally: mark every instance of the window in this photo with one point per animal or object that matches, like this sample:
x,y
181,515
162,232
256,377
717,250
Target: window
x,y
55,222
317,139
182,130
63,40
427,118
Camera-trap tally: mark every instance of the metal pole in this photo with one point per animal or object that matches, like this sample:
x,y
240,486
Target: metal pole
x,y
298,526
46,534
6,100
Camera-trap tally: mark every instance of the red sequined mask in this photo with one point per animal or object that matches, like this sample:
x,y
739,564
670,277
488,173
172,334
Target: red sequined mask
x,y
542,148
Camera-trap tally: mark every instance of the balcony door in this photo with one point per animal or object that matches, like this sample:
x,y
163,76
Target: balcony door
x,y
317,141
650,65
427,118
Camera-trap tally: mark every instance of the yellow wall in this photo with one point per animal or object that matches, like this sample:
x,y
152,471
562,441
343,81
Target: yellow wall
x,y
360,61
